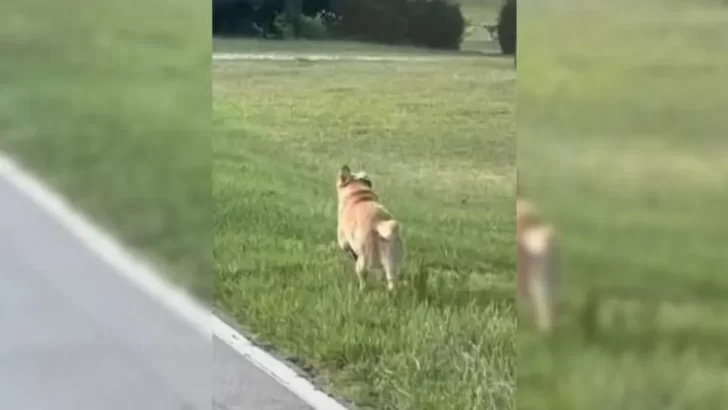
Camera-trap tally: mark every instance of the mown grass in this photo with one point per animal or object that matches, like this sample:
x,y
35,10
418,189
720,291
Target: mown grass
x,y
110,104
326,47
622,140
438,140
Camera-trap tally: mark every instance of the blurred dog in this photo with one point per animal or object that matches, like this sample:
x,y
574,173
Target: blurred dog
x,y
537,263
366,230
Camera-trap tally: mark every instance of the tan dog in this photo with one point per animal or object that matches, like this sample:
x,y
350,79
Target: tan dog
x,y
366,230
537,269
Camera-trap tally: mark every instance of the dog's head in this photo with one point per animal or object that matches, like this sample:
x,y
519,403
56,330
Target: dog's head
x,y
346,178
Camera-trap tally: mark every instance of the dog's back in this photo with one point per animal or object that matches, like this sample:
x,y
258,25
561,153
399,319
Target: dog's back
x,y
371,230
368,228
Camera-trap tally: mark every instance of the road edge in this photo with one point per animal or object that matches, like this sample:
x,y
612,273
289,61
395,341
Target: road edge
x,y
230,56
150,280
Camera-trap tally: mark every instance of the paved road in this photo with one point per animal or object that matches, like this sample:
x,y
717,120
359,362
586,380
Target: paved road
x,y
74,335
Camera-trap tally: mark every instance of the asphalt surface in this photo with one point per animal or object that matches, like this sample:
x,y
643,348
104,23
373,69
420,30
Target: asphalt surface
x,y
75,335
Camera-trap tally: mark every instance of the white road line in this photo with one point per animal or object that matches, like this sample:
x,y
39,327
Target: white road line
x,y
220,56
150,280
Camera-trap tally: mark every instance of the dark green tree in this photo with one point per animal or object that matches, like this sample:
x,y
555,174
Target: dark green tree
x,y
508,27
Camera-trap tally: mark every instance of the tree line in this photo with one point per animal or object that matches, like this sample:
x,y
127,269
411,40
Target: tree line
x,y
436,24
428,23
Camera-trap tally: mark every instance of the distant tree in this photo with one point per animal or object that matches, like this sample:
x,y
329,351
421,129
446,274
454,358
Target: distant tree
x,y
233,17
428,23
293,11
258,17
508,27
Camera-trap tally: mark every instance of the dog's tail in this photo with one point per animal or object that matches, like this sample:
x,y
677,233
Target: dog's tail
x,y
387,229
371,247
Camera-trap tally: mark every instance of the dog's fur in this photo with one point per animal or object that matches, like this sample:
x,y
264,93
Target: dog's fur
x,y
366,230
537,263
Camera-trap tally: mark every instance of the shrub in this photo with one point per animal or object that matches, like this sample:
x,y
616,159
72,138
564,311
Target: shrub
x,y
380,21
435,23
245,17
231,17
310,28
430,23
508,27
261,18
315,7
266,12
314,28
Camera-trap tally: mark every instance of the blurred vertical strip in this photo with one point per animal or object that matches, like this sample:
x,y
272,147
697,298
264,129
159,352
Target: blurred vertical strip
x,y
621,143
109,102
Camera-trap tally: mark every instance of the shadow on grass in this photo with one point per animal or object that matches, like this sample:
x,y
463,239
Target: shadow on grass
x,y
461,298
708,344
635,333
455,293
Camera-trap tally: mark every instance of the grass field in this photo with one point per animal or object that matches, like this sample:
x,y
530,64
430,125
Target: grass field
x,y
621,139
113,110
621,134
345,48
442,158
110,104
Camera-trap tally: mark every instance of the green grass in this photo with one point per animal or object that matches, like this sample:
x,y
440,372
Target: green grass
x,y
247,45
438,139
622,141
109,103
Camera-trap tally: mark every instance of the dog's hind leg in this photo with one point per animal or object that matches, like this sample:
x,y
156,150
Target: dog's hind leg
x,y
390,271
344,244
391,258
349,251
361,273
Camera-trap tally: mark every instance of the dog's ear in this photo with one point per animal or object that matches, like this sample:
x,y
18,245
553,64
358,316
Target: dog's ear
x,y
344,176
362,176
